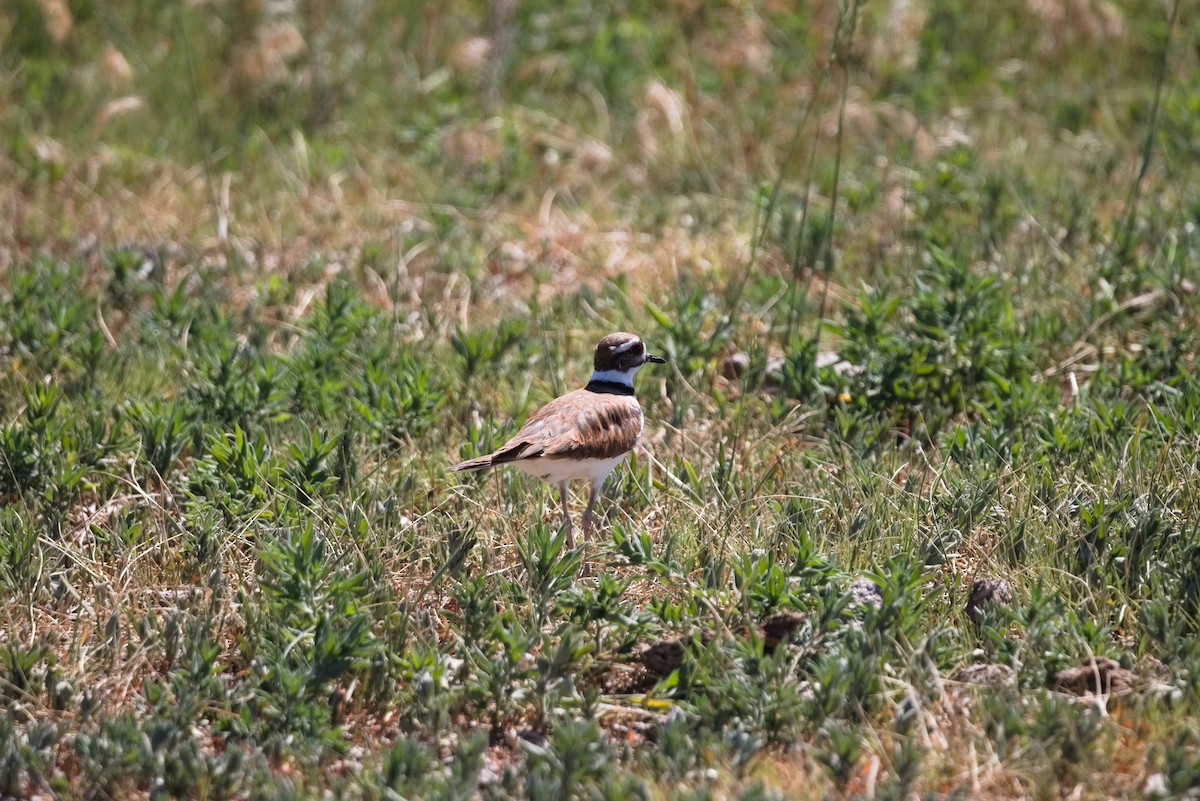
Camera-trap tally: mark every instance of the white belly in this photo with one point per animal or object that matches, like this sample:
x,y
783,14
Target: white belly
x,y
556,471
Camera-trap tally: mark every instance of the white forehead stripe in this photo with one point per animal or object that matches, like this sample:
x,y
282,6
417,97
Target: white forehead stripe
x,y
628,345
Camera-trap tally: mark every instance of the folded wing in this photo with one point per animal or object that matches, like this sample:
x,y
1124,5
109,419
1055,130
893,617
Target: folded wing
x,y
578,425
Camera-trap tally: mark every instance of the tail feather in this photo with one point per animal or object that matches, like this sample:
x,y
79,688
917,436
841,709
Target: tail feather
x,y
480,463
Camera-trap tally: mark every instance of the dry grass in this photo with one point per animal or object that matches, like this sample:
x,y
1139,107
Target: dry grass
x,y
463,167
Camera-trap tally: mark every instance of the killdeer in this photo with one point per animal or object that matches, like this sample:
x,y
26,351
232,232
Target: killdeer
x,y
583,434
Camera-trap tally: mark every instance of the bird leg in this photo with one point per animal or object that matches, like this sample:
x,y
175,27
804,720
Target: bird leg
x,y
587,513
563,495
585,568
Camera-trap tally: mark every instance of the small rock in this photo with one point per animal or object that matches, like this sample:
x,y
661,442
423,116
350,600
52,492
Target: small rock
x,y
1102,676
663,657
530,736
986,592
628,680
735,365
991,675
779,628
864,592
839,365
774,370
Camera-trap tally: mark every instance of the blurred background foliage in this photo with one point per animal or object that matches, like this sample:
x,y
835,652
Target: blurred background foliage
x,y
618,107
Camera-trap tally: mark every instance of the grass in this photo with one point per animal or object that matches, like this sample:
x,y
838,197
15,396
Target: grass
x,y
926,275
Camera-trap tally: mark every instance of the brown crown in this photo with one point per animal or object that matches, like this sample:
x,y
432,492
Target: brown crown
x,y
619,351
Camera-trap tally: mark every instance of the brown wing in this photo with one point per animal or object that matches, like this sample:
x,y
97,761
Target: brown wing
x,y
578,425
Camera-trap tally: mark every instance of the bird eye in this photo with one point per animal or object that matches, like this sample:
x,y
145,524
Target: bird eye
x,y
639,348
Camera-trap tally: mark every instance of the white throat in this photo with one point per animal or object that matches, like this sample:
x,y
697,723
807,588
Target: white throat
x,y
622,377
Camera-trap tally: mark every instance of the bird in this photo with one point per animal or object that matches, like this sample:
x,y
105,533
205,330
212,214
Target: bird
x,y
584,434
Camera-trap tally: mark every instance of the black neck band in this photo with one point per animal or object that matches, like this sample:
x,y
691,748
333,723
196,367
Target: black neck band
x,y
609,387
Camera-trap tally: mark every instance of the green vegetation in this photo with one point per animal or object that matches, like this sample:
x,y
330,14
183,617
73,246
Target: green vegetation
x,y
927,277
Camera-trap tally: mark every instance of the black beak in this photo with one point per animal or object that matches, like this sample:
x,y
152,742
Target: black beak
x,y
650,357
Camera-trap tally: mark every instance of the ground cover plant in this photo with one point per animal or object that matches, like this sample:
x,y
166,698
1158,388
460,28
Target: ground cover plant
x,y
916,510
